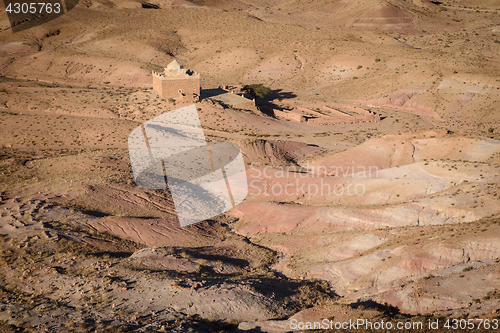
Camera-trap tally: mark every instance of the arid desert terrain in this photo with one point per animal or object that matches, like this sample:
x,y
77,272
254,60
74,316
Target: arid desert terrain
x,y
395,220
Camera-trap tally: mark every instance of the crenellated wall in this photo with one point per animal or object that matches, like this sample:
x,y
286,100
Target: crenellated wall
x,y
344,120
290,116
185,88
321,119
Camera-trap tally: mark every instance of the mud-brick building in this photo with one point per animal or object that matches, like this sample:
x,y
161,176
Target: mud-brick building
x,y
177,83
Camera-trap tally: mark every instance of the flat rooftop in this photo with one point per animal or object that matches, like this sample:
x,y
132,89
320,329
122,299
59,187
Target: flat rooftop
x,y
224,97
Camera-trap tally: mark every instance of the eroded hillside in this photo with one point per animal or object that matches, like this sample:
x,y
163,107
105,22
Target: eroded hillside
x,y
394,220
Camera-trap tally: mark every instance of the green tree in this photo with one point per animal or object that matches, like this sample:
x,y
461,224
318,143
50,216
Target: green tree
x,y
257,89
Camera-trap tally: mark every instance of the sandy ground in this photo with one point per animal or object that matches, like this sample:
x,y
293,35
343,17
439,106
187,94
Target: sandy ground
x,y
393,220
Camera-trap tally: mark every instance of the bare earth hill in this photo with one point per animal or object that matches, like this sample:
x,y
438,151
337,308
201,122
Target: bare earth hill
x,y
396,220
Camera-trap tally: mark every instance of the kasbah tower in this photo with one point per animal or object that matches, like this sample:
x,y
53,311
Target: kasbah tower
x,y
177,83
